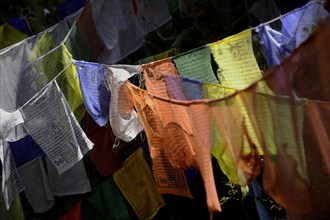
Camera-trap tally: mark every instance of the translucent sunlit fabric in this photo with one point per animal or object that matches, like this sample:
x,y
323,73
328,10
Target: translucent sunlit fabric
x,y
172,139
237,65
304,77
296,28
21,75
292,118
69,83
51,123
178,88
96,95
182,88
170,179
51,64
196,64
182,147
135,182
124,121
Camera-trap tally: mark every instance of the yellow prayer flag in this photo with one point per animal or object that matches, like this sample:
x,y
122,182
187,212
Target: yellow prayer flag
x,y
69,82
51,63
234,56
135,181
10,35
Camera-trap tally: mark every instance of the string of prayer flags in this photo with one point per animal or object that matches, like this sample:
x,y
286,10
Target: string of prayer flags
x,y
303,194
53,126
196,64
237,66
183,149
51,63
93,84
137,185
296,27
169,179
69,83
124,121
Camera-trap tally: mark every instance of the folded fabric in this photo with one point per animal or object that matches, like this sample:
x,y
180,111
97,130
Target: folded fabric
x,y
106,202
69,84
21,76
37,189
135,182
93,84
53,126
124,120
169,179
176,129
55,62
179,138
296,28
307,196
